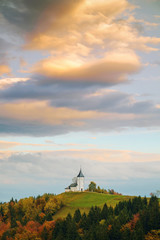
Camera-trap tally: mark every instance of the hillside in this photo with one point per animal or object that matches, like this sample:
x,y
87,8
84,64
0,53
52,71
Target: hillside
x,y
85,200
44,217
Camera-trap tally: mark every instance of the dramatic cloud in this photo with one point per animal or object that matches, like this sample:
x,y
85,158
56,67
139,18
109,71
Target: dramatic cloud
x,y
90,43
112,69
87,41
59,62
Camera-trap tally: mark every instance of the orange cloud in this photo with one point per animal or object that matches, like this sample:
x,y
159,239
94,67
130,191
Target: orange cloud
x,y
9,145
41,112
90,41
66,17
88,23
113,68
4,69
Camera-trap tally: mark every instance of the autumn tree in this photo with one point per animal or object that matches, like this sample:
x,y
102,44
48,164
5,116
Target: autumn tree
x,y
92,186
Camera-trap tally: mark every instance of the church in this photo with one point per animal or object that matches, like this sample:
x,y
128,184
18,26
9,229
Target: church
x,y
77,185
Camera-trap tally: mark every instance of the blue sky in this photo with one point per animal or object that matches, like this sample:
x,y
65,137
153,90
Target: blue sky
x,y
79,86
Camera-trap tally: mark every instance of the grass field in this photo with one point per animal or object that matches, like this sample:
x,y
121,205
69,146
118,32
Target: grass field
x,y
85,200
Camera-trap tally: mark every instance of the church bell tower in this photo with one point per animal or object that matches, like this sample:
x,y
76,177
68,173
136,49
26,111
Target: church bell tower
x,y
80,181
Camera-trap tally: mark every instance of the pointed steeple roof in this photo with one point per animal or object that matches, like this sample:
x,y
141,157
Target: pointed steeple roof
x,y
80,173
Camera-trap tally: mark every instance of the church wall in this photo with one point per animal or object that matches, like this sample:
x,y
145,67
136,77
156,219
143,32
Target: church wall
x,y
80,182
73,189
67,190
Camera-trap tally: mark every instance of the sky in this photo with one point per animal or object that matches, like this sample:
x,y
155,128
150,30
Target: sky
x,y
79,87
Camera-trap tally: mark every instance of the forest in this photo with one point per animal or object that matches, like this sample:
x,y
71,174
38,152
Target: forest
x,y
32,219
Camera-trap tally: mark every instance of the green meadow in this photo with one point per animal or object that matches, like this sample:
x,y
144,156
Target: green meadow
x,y
85,200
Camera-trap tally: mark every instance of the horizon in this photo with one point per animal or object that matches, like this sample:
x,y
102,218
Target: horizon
x,y
79,86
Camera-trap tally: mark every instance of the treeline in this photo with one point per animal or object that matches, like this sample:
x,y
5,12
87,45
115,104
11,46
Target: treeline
x,y
136,219
26,217
129,220
92,187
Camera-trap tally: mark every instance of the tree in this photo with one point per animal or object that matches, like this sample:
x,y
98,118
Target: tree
x,y
92,187
44,234
104,212
153,235
77,216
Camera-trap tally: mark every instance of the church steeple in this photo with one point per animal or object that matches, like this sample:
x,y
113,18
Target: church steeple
x,y
80,173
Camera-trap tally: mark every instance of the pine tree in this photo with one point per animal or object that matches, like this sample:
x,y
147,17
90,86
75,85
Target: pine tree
x,y
77,216
104,212
138,233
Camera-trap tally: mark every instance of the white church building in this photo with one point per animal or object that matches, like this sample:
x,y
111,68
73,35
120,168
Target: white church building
x,y
77,185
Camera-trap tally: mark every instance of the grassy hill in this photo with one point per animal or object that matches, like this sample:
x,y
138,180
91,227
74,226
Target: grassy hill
x,y
85,200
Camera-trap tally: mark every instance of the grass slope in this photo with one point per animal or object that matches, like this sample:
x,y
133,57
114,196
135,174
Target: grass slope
x,y
85,200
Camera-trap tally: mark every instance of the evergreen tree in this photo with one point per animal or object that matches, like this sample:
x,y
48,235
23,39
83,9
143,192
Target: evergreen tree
x,y
77,216
84,223
138,233
144,201
124,216
115,233
12,215
71,233
1,212
104,212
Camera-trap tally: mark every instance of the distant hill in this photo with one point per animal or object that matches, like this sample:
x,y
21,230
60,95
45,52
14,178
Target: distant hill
x,y
85,200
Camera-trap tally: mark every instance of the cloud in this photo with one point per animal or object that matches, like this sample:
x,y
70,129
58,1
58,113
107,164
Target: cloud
x,y
38,118
8,145
112,69
157,16
45,110
100,163
23,63
43,113
7,82
61,15
86,46
4,69
22,13
132,19
90,42
43,146
4,45
42,171
78,97
87,41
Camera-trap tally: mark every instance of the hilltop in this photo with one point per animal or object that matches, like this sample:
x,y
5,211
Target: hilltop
x,y
85,200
